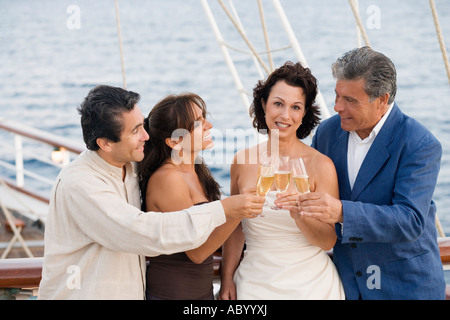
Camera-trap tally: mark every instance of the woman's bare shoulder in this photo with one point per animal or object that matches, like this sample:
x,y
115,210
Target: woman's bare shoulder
x,y
167,179
168,190
165,173
319,159
247,156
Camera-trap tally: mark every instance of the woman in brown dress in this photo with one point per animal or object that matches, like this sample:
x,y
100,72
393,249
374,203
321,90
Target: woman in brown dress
x,y
178,179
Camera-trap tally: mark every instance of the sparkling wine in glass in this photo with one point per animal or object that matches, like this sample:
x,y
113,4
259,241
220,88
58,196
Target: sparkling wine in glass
x,y
265,178
282,175
300,175
265,181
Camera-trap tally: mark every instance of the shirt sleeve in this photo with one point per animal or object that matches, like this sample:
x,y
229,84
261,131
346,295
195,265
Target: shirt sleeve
x,y
109,220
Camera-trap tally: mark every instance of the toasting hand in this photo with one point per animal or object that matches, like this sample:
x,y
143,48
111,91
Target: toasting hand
x,y
243,206
320,206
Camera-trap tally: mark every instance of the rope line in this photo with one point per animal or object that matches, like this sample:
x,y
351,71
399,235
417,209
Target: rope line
x,y
359,22
119,33
266,37
236,25
440,38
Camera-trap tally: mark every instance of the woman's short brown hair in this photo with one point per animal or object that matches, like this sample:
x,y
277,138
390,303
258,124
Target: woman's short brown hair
x,y
296,75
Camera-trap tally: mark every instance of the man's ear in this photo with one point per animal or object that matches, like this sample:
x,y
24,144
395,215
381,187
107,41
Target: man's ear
x,y
104,144
384,100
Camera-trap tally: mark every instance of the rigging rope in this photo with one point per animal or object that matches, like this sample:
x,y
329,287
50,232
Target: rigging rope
x,y
440,38
447,67
119,33
266,37
239,29
359,22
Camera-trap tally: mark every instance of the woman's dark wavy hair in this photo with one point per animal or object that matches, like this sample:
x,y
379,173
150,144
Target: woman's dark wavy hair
x,y
171,113
294,75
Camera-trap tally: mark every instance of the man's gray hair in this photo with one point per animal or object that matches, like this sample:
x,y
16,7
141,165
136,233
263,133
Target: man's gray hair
x,y
375,68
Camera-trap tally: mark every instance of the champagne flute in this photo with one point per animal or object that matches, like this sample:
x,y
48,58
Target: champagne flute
x,y
265,178
300,176
282,175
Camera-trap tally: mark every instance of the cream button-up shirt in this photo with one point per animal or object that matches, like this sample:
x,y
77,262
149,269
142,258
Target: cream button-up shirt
x,y
96,236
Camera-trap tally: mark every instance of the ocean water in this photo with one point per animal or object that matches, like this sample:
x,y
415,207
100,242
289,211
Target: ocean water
x,y
53,52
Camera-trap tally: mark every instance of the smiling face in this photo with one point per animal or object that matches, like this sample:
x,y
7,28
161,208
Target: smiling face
x,y
190,143
201,132
130,148
356,110
284,109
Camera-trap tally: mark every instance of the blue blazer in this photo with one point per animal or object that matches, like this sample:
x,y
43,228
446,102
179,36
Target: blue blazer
x,y
386,247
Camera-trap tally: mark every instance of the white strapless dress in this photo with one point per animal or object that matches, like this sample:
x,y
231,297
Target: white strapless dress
x,y
280,263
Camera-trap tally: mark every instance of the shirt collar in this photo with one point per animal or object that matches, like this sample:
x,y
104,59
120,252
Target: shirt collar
x,y
109,168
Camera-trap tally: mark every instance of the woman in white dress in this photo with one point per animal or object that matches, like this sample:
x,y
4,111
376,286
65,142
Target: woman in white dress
x,y
285,255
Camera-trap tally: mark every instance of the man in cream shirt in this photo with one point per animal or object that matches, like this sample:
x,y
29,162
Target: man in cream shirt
x,y
96,236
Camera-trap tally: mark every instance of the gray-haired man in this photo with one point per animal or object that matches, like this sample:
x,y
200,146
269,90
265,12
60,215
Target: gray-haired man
x,y
387,165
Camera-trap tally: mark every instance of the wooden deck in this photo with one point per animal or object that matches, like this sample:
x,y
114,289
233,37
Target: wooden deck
x,y
33,236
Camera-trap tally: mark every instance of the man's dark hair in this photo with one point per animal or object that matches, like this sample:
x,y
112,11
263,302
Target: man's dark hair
x,y
101,113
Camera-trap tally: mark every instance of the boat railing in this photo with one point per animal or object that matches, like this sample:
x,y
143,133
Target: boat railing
x,y
20,278
22,145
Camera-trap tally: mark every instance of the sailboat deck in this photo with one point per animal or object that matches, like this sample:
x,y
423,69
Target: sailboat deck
x,y
33,236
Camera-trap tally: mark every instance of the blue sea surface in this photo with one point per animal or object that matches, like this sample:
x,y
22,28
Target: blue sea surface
x,y
53,52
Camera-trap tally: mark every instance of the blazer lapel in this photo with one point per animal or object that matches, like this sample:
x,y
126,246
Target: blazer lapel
x,y
378,154
339,155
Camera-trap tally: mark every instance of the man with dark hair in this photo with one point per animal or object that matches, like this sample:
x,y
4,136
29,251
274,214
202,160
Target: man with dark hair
x,y
101,113
96,236
387,165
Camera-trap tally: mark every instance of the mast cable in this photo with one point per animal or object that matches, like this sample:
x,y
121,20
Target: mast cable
x,y
440,38
119,33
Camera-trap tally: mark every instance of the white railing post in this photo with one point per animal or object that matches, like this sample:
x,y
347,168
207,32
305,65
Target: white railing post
x,y
19,160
